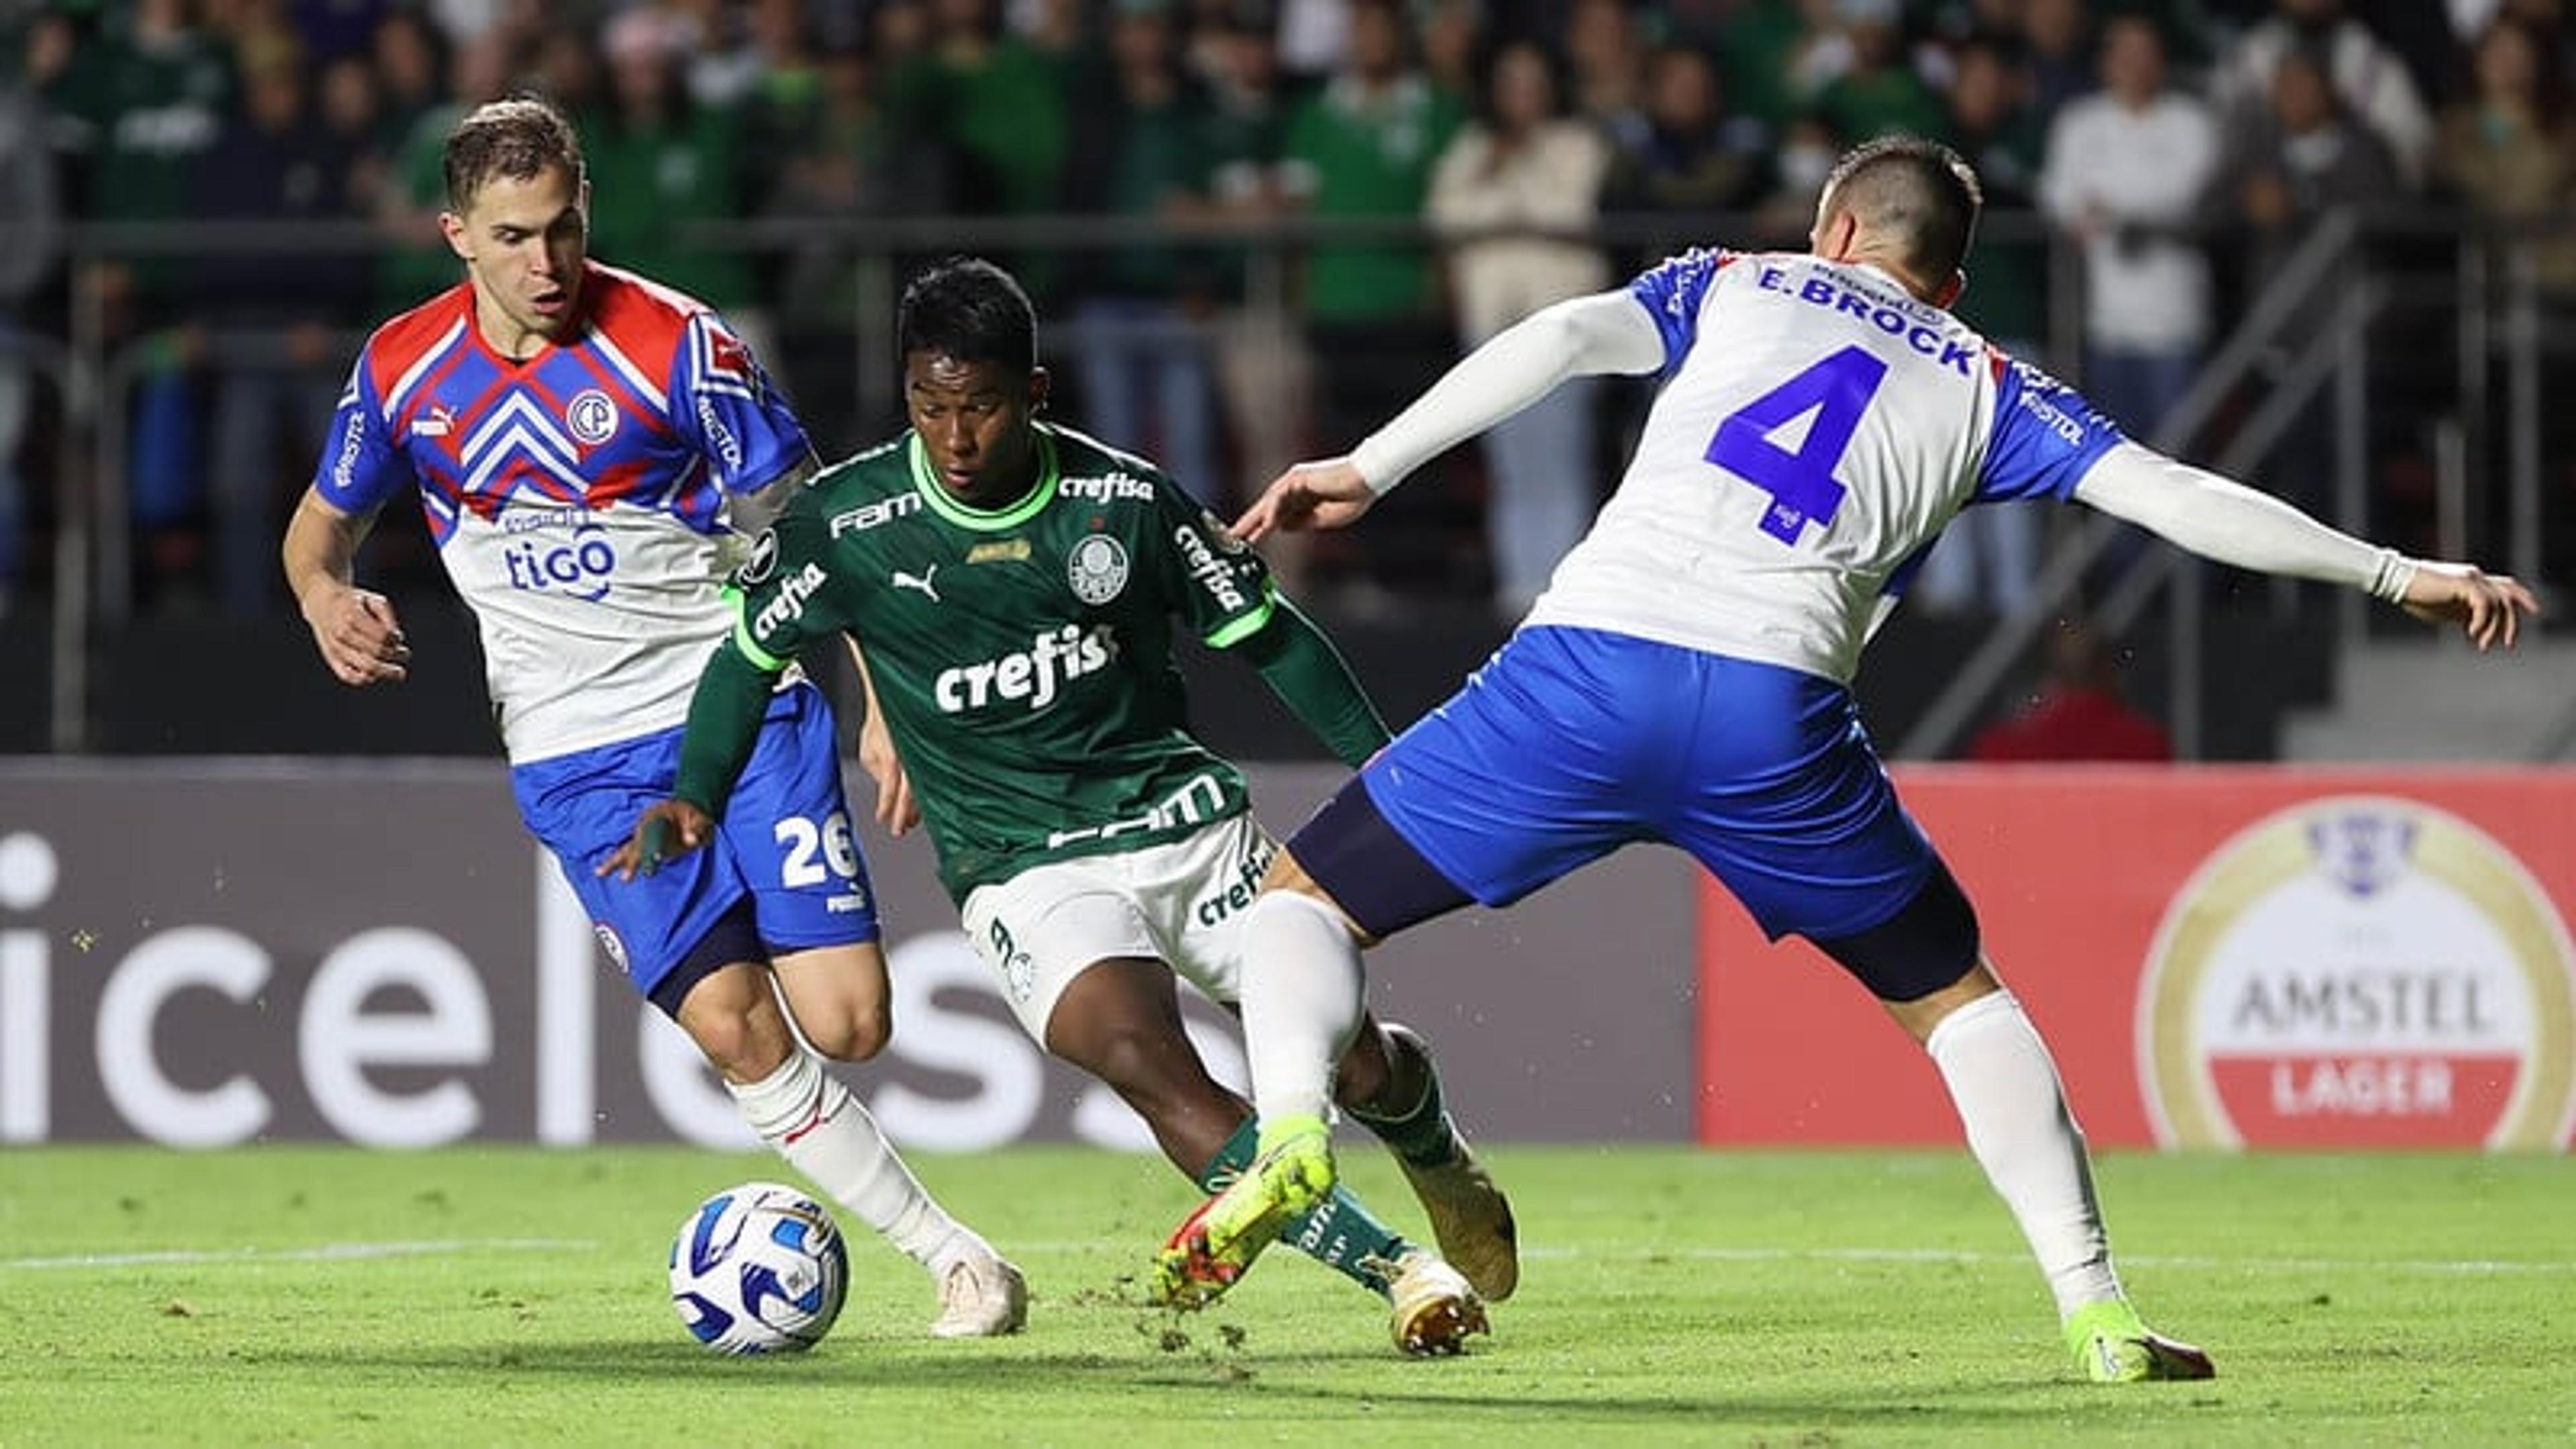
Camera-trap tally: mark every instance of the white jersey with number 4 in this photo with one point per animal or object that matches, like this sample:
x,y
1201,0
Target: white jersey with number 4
x,y
1817,428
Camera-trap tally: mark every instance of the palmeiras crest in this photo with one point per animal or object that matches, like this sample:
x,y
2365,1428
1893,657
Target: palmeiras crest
x,y
1096,569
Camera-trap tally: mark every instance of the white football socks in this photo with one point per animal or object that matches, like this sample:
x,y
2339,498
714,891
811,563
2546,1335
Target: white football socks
x,y
2014,1108
812,1120
1302,989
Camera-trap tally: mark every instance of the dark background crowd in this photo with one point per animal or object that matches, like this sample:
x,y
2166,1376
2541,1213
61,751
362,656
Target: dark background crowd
x,y
2176,150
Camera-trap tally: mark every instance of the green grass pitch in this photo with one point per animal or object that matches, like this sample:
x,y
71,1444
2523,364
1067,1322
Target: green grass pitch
x,y
515,1296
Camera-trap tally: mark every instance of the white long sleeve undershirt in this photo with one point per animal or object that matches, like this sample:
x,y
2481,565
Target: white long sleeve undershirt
x,y
1602,332
2234,524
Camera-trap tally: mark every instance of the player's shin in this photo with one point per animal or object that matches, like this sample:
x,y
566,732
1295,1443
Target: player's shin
x,y
1302,990
809,1118
2009,1099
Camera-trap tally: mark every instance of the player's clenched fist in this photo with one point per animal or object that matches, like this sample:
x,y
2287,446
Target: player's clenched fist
x,y
358,635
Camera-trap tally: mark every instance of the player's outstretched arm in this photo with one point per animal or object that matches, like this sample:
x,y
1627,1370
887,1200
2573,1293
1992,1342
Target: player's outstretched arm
x,y
2233,524
724,725
354,628
1606,332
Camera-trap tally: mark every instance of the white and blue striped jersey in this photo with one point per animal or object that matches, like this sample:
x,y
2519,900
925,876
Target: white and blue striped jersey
x,y
1817,427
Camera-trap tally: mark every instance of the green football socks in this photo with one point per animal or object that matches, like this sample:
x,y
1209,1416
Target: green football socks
x,y
1423,1136
1341,1234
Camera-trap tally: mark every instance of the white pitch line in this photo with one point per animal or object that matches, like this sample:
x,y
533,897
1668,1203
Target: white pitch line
x,y
2188,1261
2194,1263
325,1253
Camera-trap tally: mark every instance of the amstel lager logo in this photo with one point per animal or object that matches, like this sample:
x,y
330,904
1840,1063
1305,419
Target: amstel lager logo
x,y
2359,971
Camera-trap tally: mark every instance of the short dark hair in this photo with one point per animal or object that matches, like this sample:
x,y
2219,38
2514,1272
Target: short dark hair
x,y
1917,194
521,137
971,310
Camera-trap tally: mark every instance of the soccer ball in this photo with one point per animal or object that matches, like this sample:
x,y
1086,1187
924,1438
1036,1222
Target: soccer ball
x,y
759,1268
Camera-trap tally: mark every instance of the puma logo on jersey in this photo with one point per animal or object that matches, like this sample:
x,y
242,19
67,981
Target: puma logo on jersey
x,y
921,581
1033,674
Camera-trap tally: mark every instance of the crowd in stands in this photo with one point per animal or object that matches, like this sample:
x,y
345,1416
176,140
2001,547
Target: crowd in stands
x,y
2181,145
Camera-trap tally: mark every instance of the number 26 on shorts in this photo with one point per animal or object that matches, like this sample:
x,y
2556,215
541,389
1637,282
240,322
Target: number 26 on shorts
x,y
816,853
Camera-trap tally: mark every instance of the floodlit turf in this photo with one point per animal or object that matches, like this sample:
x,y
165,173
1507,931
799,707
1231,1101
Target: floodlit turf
x,y
280,1296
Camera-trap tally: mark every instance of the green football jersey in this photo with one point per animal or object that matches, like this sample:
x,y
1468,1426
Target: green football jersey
x,y
1023,655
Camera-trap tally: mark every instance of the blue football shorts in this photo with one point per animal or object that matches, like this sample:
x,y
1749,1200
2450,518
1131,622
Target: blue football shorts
x,y
1570,743
786,843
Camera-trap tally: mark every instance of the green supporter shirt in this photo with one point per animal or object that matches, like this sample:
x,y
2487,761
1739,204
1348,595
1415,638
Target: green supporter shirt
x,y
650,183
1023,657
1002,111
1161,153
1881,103
161,110
1371,156
2007,296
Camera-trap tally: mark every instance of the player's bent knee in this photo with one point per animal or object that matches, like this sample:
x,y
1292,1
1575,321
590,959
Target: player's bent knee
x,y
744,1045
839,997
854,1035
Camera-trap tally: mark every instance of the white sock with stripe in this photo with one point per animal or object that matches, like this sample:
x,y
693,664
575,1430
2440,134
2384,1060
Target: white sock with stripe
x,y
809,1118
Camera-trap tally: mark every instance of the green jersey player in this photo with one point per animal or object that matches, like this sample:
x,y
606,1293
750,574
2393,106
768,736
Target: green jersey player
x,y
1014,586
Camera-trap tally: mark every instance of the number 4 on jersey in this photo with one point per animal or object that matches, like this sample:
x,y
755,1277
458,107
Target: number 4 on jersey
x,y
1801,484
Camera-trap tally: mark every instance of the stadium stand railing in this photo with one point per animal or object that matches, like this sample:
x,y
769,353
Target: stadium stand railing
x,y
2424,338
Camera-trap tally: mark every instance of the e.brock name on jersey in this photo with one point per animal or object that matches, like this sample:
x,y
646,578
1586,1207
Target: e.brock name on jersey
x,y
1023,654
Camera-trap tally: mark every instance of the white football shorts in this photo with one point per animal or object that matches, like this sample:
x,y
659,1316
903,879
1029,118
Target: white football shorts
x,y
1179,903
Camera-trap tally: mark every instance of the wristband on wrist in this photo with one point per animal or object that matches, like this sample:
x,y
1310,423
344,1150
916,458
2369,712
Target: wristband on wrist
x,y
2395,572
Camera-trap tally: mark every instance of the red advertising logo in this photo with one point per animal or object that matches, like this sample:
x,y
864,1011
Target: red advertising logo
x,y
2359,971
